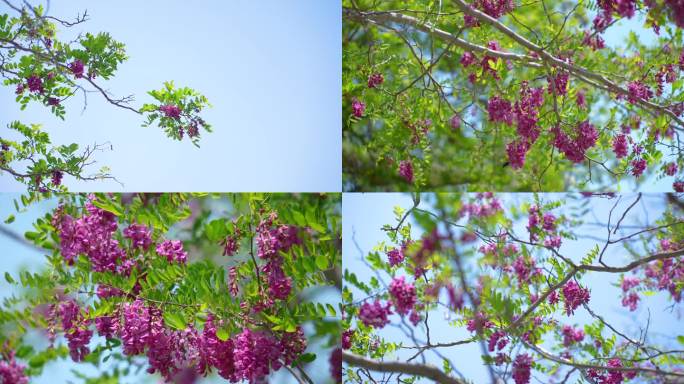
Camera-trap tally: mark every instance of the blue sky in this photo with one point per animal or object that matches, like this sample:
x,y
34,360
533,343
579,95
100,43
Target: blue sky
x,y
365,214
270,69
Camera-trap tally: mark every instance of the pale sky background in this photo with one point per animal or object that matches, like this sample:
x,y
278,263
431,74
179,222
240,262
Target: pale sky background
x,y
15,257
270,68
365,214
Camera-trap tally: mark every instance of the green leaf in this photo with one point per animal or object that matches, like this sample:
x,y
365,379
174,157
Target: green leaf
x,y
322,262
216,230
9,278
306,358
9,219
175,320
222,334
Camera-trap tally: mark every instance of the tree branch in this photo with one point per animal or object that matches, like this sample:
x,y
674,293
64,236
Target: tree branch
x,y
424,370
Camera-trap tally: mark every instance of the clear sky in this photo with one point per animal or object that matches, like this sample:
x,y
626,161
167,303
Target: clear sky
x,y
270,68
365,214
15,257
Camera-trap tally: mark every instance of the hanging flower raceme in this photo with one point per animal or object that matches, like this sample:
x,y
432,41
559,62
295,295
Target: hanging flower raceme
x,y
403,294
375,315
173,251
574,296
76,329
11,371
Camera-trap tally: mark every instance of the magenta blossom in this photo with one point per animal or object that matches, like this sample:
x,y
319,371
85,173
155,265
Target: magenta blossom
x,y
172,111
76,67
406,170
358,108
403,294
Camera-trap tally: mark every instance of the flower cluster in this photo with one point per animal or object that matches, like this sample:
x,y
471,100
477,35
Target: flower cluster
x,y
620,146
92,235
558,84
522,367
11,371
231,244
571,335
375,79
76,68
574,149
500,110
76,330
170,111
406,170
525,113
336,365
140,235
485,205
395,256
638,90
663,274
375,315
574,295
495,8
497,340
358,108
611,376
272,239
403,295
173,251
480,321
548,227
250,355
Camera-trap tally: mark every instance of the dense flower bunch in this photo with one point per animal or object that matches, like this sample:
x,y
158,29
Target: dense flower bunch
x,y
484,205
375,315
611,376
250,355
172,250
495,8
272,239
571,335
336,365
171,111
661,275
403,295
500,110
574,296
93,235
569,72
406,170
638,90
375,79
525,113
620,146
521,369
11,372
497,341
544,225
76,329
358,108
395,256
574,149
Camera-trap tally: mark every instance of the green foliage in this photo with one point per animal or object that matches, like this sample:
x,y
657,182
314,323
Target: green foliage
x,y
409,116
186,293
40,68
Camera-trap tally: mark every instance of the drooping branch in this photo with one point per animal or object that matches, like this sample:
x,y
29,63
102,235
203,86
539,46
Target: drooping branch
x,y
578,71
424,370
581,365
589,77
